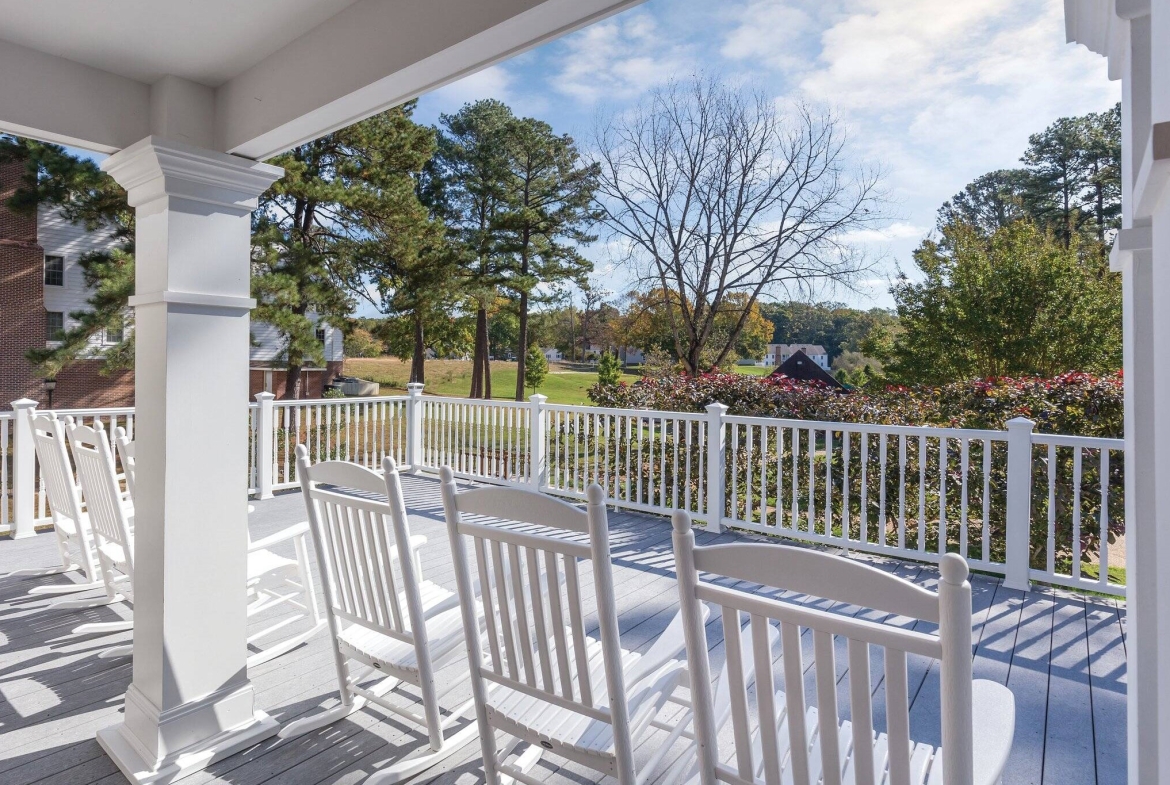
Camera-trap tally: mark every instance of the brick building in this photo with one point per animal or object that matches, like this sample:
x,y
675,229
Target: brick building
x,y
41,286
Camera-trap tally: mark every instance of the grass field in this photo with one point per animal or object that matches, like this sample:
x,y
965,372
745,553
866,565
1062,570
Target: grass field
x,y
453,377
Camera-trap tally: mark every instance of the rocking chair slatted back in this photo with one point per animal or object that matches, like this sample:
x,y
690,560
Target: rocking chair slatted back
x,y
64,492
536,633
125,448
368,572
103,495
784,741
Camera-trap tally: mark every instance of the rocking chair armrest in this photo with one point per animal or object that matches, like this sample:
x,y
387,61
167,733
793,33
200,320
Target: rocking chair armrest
x,y
284,535
669,645
994,726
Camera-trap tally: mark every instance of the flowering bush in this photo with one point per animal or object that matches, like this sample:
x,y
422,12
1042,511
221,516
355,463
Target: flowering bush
x,y
1073,403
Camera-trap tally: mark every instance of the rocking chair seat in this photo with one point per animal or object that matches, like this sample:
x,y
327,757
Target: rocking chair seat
x,y
265,562
393,656
574,735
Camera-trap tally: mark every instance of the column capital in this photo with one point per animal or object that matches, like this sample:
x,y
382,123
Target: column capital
x,y
155,167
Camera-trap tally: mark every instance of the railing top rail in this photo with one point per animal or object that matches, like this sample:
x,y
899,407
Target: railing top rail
x,y
1066,440
897,430
340,401
561,407
485,402
92,410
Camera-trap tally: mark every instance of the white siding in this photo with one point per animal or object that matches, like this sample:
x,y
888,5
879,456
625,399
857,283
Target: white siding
x,y
71,241
268,345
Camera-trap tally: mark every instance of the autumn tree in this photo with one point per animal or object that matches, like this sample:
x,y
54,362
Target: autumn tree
x,y
713,191
647,325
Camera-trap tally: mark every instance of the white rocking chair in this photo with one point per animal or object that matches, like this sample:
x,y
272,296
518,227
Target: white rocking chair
x,y
540,679
382,614
70,525
273,581
787,742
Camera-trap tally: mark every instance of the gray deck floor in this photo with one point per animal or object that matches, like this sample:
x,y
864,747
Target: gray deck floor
x,y
1063,656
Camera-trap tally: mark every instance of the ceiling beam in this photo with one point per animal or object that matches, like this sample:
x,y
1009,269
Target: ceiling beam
x,y
58,100
376,54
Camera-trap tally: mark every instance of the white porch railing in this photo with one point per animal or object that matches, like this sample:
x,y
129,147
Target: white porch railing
x,y
1027,506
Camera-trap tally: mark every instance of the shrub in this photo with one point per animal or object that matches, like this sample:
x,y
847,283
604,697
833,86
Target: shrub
x,y
535,368
362,343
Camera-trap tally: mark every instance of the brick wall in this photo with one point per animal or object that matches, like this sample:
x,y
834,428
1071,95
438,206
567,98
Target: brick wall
x,y
22,294
313,381
22,320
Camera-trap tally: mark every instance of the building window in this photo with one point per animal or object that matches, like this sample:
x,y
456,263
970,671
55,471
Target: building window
x,y
54,325
321,334
115,333
54,271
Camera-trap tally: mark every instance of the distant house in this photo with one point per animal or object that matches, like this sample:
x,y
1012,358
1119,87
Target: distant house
x,y
779,353
627,354
800,366
553,354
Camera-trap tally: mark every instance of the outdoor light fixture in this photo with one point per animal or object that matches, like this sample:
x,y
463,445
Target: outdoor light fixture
x,y
48,385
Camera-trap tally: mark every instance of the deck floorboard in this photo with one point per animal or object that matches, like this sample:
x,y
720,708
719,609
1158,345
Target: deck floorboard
x,y
1062,655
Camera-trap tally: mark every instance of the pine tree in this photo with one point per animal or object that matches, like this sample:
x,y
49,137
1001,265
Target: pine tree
x,y
536,369
609,369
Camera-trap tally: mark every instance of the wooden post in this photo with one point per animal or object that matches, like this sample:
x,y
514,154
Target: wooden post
x,y
24,470
716,466
1019,503
264,453
414,429
537,460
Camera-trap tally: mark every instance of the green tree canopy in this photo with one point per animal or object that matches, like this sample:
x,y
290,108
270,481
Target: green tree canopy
x,y
536,369
1017,302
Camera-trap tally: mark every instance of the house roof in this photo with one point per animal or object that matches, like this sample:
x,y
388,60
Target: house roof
x,y
801,367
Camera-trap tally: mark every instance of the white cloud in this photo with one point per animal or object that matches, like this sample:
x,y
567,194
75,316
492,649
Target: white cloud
x,y
493,82
899,230
769,32
619,59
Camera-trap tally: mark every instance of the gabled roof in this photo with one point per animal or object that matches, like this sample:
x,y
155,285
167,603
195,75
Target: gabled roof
x,y
801,367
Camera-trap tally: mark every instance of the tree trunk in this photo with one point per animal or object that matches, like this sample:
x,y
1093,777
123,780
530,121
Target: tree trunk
x,y
418,359
481,372
522,346
292,382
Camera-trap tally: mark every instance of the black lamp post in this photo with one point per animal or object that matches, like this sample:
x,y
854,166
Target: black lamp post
x,y
49,385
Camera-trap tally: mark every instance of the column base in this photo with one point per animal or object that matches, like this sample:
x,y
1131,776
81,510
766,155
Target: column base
x,y
185,762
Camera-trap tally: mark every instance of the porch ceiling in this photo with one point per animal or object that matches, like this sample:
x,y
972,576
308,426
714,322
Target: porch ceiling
x,y
254,78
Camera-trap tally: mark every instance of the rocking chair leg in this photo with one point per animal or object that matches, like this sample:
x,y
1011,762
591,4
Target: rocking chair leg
x,y
104,626
401,770
321,719
40,572
96,602
64,588
125,650
287,645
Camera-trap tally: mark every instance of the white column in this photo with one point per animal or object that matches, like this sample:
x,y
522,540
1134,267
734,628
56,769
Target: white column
x,y
24,470
537,454
716,466
190,701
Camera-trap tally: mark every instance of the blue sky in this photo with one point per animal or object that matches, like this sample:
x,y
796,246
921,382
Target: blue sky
x,y
936,93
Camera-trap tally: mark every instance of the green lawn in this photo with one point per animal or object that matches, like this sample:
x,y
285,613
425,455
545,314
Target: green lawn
x,y
754,370
453,378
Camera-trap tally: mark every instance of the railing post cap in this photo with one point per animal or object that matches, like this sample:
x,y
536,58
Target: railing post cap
x,y
23,403
1021,422
265,396
716,408
414,388
538,398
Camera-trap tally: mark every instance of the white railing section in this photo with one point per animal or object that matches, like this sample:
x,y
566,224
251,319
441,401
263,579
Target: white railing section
x,y
1024,505
481,440
645,460
903,491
